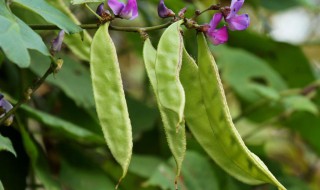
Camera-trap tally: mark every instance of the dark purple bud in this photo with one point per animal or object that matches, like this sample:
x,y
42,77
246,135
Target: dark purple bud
x,y
104,14
163,11
57,42
182,12
5,106
100,9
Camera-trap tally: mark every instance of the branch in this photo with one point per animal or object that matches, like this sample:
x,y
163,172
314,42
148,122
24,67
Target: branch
x,y
31,89
95,26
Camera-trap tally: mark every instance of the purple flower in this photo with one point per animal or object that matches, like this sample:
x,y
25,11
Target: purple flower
x,y
127,11
237,22
5,106
217,36
163,11
57,42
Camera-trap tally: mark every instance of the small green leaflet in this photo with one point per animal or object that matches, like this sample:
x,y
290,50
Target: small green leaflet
x,y
50,14
6,145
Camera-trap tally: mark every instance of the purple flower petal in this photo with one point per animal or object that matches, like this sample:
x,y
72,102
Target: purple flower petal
x,y
235,7
163,11
130,11
6,106
116,6
215,21
218,36
239,22
57,42
100,9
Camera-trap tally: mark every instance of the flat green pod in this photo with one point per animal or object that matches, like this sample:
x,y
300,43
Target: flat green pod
x,y
168,64
176,141
229,150
109,97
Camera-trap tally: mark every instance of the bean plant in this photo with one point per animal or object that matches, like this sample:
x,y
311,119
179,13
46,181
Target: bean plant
x,y
70,120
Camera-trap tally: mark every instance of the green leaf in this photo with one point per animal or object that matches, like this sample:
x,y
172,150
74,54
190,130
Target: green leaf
x,y
176,141
300,103
144,165
6,145
196,173
80,47
241,67
70,76
38,161
16,38
265,91
68,129
109,97
289,61
1,186
77,177
85,1
142,116
50,14
308,127
241,163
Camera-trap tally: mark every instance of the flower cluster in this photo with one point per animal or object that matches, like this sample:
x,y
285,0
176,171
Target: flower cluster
x,y
216,35
5,106
235,22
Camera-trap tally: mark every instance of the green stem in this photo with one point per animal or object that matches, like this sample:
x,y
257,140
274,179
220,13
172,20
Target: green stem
x,y
30,90
95,26
87,6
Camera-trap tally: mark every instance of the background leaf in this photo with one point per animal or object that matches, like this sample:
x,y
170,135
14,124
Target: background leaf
x,y
5,144
50,14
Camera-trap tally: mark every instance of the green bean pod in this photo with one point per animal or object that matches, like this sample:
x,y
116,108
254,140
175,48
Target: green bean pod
x,y
168,64
176,141
226,147
109,97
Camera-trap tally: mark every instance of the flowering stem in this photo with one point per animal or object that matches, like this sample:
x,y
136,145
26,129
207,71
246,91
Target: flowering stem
x,y
95,26
30,90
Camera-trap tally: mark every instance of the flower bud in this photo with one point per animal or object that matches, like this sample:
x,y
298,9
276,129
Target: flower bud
x,y
5,106
163,11
182,12
102,12
57,42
